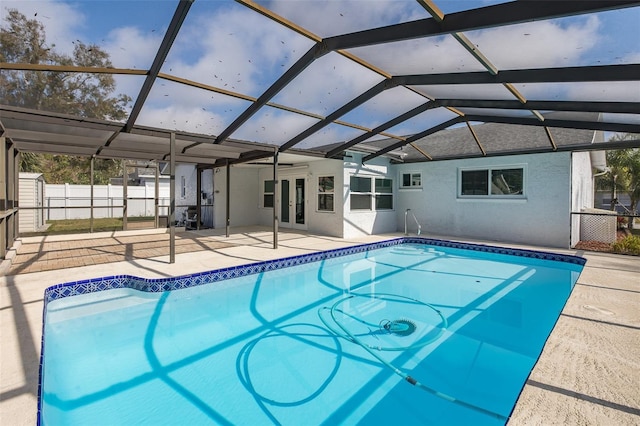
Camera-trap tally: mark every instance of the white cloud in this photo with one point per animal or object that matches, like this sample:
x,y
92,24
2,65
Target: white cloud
x,y
530,45
538,44
63,22
385,106
182,118
273,126
330,134
423,122
129,47
242,52
419,56
327,84
622,91
330,18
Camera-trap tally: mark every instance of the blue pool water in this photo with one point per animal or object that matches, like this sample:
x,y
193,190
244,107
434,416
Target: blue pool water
x,y
407,332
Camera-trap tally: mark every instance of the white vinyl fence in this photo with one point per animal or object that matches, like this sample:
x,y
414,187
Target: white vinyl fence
x,y
74,201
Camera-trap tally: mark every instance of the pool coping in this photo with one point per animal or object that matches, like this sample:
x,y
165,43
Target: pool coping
x,y
155,285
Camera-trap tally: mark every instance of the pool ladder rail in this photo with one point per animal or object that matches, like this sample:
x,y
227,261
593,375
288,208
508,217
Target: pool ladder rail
x,y
406,214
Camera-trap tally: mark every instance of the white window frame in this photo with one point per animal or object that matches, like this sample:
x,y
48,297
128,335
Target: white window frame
x,y
489,170
411,181
320,192
372,194
263,193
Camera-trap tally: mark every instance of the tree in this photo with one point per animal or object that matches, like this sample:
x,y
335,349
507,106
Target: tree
x,y
624,172
23,40
75,169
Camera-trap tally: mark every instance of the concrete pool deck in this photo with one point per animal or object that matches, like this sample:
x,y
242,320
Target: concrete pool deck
x,y
588,373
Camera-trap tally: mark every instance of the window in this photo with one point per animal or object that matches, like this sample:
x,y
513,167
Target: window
x,y
502,182
183,187
384,194
325,193
268,193
362,195
360,188
474,182
411,180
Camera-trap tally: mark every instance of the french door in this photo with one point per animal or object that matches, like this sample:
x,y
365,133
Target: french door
x,y
293,202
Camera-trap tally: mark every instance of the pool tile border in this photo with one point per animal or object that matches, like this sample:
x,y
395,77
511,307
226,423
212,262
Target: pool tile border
x,y
155,285
93,285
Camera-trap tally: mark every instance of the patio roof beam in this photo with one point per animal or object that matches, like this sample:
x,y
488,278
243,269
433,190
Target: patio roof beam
x,y
610,107
414,138
172,32
334,153
603,73
70,68
475,138
251,156
602,146
566,124
550,137
474,19
354,103
31,115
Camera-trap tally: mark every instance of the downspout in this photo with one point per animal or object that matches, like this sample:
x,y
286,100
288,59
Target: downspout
x,y
593,177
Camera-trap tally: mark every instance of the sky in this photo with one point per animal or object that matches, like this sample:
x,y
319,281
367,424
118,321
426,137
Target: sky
x,y
226,45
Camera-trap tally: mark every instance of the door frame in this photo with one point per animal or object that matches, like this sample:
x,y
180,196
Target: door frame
x,y
292,224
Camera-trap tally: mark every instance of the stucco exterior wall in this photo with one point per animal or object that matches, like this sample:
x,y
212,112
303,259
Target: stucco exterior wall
x,y
244,197
582,193
361,222
320,222
541,218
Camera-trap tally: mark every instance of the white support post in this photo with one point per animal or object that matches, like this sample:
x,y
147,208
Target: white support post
x,y
91,215
275,199
157,197
228,199
172,195
125,182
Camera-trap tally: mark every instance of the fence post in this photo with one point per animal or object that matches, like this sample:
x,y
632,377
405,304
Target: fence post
x,y
67,195
109,201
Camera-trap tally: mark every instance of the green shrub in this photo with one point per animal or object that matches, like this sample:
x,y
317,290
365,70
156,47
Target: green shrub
x,y
628,245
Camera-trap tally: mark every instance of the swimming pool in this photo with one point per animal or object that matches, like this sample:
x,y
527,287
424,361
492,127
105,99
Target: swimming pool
x,y
411,330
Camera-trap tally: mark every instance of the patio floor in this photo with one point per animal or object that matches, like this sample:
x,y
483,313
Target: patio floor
x,y
42,254
588,374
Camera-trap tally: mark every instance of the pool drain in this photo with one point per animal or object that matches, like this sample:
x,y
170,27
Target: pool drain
x,y
400,327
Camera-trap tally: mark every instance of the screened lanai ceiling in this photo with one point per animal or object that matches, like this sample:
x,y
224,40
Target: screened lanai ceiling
x,y
237,81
